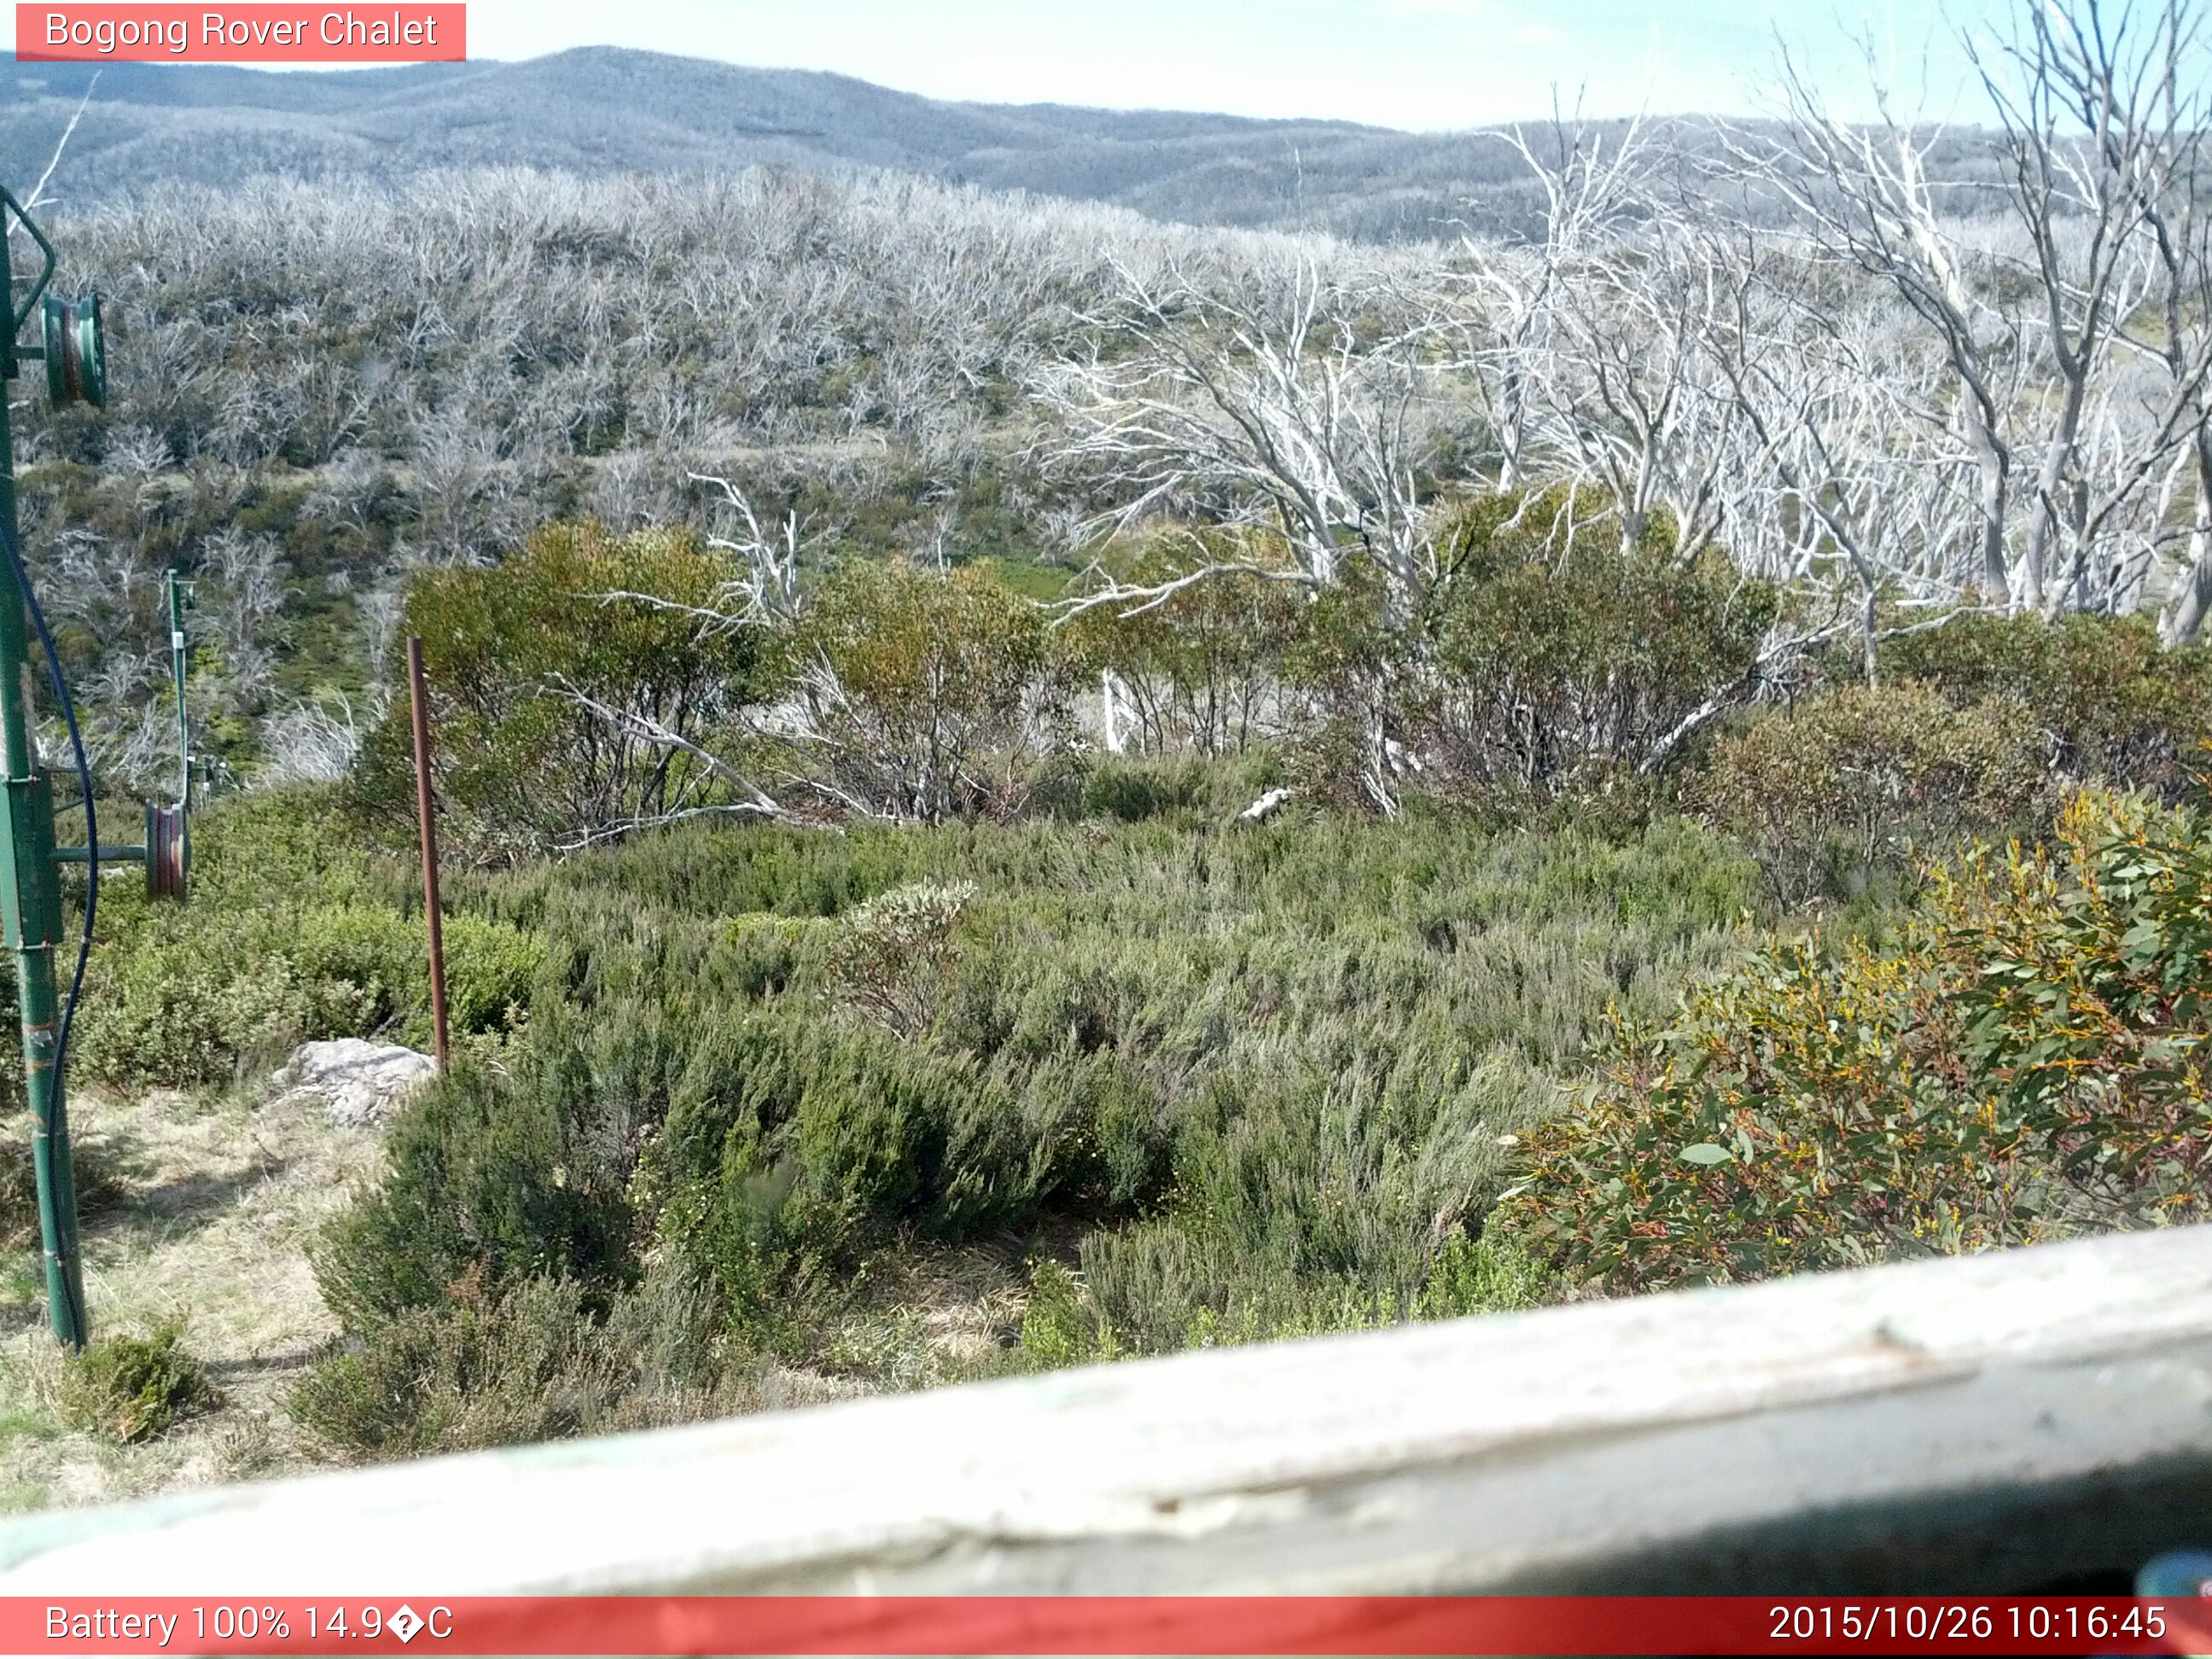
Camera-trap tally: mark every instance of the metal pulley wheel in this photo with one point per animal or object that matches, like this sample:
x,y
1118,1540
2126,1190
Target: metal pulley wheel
x,y
76,356
168,852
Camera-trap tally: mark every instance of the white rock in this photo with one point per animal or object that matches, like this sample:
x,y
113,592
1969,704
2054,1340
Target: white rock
x,y
361,1083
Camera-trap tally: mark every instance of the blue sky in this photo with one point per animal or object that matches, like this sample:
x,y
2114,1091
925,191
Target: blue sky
x,y
1427,64
1420,63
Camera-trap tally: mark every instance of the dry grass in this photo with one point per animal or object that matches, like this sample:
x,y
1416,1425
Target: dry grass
x,y
220,1200
923,1316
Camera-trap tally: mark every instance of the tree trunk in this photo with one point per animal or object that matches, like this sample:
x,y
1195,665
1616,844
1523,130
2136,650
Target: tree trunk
x,y
1870,638
2055,460
2185,613
1993,466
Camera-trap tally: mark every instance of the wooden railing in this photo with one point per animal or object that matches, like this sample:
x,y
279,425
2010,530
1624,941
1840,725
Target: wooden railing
x,y
2037,1420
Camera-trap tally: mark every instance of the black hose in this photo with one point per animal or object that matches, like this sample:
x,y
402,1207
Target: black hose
x,y
60,1117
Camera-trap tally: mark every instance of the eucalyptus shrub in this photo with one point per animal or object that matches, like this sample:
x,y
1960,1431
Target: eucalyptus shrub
x,y
1200,668
1545,660
1864,781
2029,1058
927,694
565,682
2104,699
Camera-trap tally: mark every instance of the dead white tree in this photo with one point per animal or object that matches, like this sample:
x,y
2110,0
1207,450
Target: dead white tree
x,y
38,197
1629,399
1866,194
1296,396
2177,225
762,589
2083,93
1857,486
312,742
1517,294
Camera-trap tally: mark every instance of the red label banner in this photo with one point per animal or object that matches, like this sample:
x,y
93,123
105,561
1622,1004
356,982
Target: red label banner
x,y
260,33
1075,1625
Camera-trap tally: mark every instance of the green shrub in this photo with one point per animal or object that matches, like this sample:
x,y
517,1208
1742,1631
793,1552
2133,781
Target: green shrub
x,y
515,655
1479,1275
2107,700
199,995
1864,781
1559,660
19,1189
1199,670
503,1178
135,1388
286,937
1058,1326
1135,791
170,1013
891,952
929,695
793,1143
535,1362
1545,660
1253,1078
491,969
2030,1058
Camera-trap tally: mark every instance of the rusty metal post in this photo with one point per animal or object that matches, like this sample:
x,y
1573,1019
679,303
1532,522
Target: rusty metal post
x,y
429,813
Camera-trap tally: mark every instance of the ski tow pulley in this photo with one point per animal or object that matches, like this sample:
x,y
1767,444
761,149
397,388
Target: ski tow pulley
x,y
76,354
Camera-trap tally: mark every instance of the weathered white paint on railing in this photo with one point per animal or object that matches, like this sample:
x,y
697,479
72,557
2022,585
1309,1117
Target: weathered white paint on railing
x,y
1989,1422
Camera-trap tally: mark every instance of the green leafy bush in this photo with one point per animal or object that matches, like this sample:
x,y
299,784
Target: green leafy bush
x,y
285,939
1133,793
793,1143
1059,1327
19,1189
135,1388
1546,660
2107,700
1561,657
929,695
1199,670
2028,1059
168,1012
548,674
1479,1275
1861,780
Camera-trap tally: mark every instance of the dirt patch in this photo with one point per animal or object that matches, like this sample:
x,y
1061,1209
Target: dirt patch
x,y
217,1202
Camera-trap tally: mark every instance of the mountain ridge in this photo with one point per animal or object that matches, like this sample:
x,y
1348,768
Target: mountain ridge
x,y
601,109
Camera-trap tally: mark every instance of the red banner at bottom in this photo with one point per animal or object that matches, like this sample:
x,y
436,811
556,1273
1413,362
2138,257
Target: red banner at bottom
x,y
1074,1625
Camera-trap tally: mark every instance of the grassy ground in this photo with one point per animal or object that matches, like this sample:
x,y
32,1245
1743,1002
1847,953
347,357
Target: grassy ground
x,y
215,1203
204,1213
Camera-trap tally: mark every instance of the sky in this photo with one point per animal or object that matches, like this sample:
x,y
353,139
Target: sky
x,y
1424,64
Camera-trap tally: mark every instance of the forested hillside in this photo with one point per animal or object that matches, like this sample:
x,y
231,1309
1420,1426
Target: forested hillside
x,y
1027,784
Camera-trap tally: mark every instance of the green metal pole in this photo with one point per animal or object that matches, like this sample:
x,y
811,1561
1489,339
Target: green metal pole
x,y
30,905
